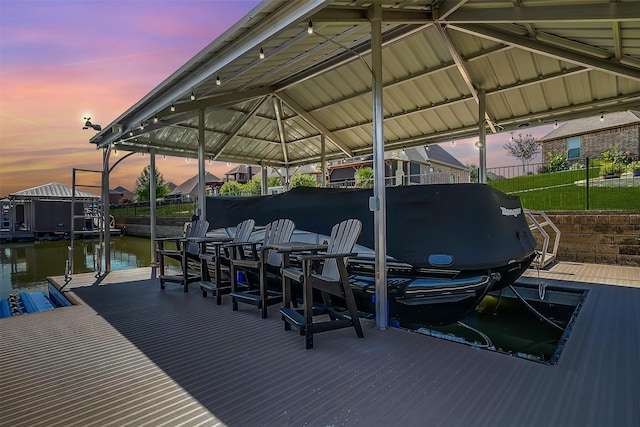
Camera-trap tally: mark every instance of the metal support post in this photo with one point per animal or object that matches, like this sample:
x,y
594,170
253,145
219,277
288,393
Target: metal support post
x,y
378,202
105,207
152,206
323,161
482,133
202,173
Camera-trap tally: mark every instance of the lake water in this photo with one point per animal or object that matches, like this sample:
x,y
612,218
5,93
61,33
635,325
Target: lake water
x,y
25,266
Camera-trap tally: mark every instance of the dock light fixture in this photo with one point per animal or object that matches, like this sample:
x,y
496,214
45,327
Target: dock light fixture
x,y
173,108
310,27
89,125
261,53
193,96
218,80
478,144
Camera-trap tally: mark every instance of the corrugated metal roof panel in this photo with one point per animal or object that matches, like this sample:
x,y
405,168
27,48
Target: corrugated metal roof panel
x,y
52,190
537,62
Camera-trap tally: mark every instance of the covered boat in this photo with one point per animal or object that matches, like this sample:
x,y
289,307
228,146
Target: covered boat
x,y
447,245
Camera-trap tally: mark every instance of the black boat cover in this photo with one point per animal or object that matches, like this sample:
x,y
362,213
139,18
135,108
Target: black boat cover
x,y
466,226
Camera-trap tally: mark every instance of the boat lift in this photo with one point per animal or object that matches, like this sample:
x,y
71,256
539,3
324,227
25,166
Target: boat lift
x,y
538,220
92,214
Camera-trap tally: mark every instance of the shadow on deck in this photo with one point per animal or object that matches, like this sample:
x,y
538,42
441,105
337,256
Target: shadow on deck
x,y
134,355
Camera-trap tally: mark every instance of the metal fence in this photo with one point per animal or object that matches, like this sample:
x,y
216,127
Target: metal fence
x,y
425,178
583,186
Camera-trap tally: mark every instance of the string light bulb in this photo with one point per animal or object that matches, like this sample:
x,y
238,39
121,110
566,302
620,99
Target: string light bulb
x,y
173,108
193,96
310,27
261,53
218,80
555,125
155,119
602,117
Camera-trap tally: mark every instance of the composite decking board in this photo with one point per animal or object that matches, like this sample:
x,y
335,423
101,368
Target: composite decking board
x,y
91,372
594,273
141,356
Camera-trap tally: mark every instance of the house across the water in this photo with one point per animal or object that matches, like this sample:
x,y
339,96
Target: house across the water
x,y
188,190
418,165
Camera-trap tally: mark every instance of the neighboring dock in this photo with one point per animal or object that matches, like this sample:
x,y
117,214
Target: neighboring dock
x,y
25,236
131,354
10,236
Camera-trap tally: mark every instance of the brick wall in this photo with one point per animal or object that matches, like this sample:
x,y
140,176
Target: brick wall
x,y
594,144
600,237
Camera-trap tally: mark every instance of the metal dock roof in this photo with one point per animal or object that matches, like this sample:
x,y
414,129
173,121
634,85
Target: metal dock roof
x,y
131,354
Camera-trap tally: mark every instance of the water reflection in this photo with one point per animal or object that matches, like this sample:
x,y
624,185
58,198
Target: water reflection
x,y
25,266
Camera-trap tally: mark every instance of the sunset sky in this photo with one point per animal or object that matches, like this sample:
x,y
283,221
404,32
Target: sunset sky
x,y
62,60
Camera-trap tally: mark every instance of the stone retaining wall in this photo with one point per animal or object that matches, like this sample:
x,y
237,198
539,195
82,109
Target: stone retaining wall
x,y
600,237
139,226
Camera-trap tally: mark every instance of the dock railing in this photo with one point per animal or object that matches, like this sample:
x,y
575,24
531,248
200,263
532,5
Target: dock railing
x,y
539,224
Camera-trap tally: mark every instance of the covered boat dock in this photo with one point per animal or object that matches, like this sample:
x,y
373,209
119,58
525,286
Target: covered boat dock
x,y
130,354
295,83
47,211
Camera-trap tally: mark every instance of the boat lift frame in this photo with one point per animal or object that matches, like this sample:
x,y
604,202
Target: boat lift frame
x,y
69,267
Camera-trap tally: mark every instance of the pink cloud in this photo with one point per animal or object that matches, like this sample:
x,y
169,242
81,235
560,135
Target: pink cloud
x,y
62,60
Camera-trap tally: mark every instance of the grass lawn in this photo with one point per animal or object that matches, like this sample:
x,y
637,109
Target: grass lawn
x,y
559,191
573,197
548,191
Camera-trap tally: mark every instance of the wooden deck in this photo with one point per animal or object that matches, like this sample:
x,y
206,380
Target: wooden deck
x,y
131,354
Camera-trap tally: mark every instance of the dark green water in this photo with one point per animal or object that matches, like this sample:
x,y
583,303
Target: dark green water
x,y
25,266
